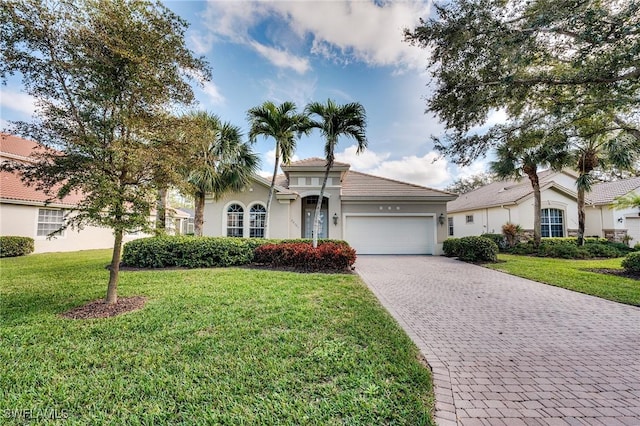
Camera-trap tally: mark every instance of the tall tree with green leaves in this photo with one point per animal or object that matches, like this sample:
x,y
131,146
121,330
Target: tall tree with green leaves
x,y
550,61
594,150
333,121
468,184
285,126
105,74
218,161
522,155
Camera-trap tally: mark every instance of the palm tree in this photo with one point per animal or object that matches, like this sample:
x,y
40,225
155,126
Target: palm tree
x,y
334,121
218,160
523,155
600,151
283,124
629,200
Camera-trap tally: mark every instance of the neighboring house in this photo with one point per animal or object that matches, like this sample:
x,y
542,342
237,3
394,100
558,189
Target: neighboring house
x,y
28,212
374,214
182,221
610,223
486,209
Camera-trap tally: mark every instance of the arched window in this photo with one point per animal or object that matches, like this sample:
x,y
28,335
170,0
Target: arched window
x,y
552,223
235,221
257,215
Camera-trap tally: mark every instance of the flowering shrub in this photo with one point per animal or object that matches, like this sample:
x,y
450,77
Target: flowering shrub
x,y
328,256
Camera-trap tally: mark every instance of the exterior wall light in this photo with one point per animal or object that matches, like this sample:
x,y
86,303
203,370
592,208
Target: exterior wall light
x,y
441,219
620,220
335,219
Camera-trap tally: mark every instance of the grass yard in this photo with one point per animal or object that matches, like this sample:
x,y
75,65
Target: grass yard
x,y
217,346
572,275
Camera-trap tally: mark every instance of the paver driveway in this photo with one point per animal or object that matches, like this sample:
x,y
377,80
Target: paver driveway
x,y
505,350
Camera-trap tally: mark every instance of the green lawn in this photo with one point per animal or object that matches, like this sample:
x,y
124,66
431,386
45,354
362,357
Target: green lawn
x,y
572,275
216,346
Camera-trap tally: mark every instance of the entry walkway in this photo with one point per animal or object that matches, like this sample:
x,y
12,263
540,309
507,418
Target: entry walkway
x,y
509,351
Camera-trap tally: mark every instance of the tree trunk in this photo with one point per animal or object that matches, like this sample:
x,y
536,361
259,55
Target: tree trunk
x,y
114,270
161,212
316,217
532,173
271,191
198,220
581,216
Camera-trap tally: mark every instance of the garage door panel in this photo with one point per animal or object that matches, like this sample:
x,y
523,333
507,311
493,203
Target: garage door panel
x,y
390,234
633,229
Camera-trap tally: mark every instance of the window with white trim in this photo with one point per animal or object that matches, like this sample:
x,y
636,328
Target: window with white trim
x,y
450,225
552,223
257,216
235,221
469,218
49,220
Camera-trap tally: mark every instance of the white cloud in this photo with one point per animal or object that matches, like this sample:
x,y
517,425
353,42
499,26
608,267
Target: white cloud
x,y
212,91
17,101
268,159
366,160
202,44
428,170
343,30
281,58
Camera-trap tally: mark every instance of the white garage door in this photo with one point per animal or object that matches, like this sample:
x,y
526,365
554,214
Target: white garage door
x,y
390,234
633,229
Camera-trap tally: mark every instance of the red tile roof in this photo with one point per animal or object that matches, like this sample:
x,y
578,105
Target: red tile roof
x,y
13,148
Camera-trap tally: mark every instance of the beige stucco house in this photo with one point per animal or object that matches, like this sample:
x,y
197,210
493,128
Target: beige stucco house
x,y
25,211
374,214
486,209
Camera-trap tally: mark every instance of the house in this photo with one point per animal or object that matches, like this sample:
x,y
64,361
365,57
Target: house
x,y
486,209
375,215
28,212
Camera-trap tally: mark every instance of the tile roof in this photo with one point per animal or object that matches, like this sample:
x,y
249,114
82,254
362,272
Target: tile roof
x,y
364,186
11,186
357,184
498,193
314,162
605,193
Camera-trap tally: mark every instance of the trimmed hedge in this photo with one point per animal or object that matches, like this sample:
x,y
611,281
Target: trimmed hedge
x,y
329,256
631,263
477,249
197,252
451,246
12,246
567,248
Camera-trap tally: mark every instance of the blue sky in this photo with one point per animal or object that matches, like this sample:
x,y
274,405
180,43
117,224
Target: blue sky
x,y
303,51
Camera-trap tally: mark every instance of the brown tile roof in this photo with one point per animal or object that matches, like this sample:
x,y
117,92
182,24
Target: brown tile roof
x,y
362,185
11,186
498,193
605,193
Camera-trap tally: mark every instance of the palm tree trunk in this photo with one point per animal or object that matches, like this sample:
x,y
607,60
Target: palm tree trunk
x,y
537,204
316,217
581,216
271,191
198,219
114,270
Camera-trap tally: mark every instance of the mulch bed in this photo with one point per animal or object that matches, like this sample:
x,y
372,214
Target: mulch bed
x,y
100,309
616,272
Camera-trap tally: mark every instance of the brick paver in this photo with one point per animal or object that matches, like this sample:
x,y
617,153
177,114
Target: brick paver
x,y
505,350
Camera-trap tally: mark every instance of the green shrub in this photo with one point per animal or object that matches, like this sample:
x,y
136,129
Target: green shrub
x,y
328,256
11,246
477,249
636,247
631,263
188,252
450,247
499,239
197,252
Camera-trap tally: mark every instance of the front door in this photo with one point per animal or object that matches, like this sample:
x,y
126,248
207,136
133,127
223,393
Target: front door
x,y
308,213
